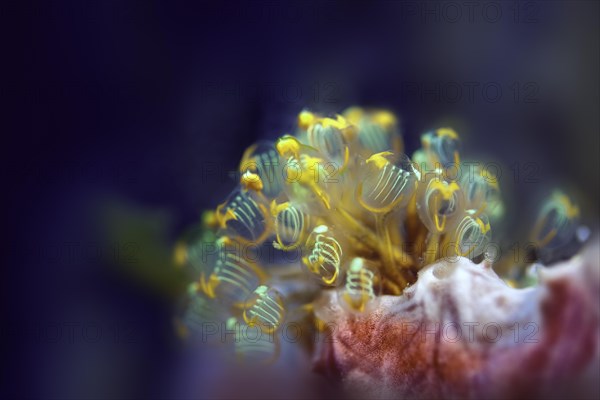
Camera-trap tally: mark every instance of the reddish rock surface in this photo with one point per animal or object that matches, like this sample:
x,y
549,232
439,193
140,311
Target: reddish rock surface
x,y
461,332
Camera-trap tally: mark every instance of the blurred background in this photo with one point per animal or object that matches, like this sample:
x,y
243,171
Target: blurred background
x,y
123,121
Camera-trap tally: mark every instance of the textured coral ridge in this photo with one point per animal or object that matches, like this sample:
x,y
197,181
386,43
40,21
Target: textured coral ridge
x,y
398,351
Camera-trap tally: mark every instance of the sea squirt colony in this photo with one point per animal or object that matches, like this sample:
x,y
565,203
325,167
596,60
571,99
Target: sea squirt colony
x,y
340,206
